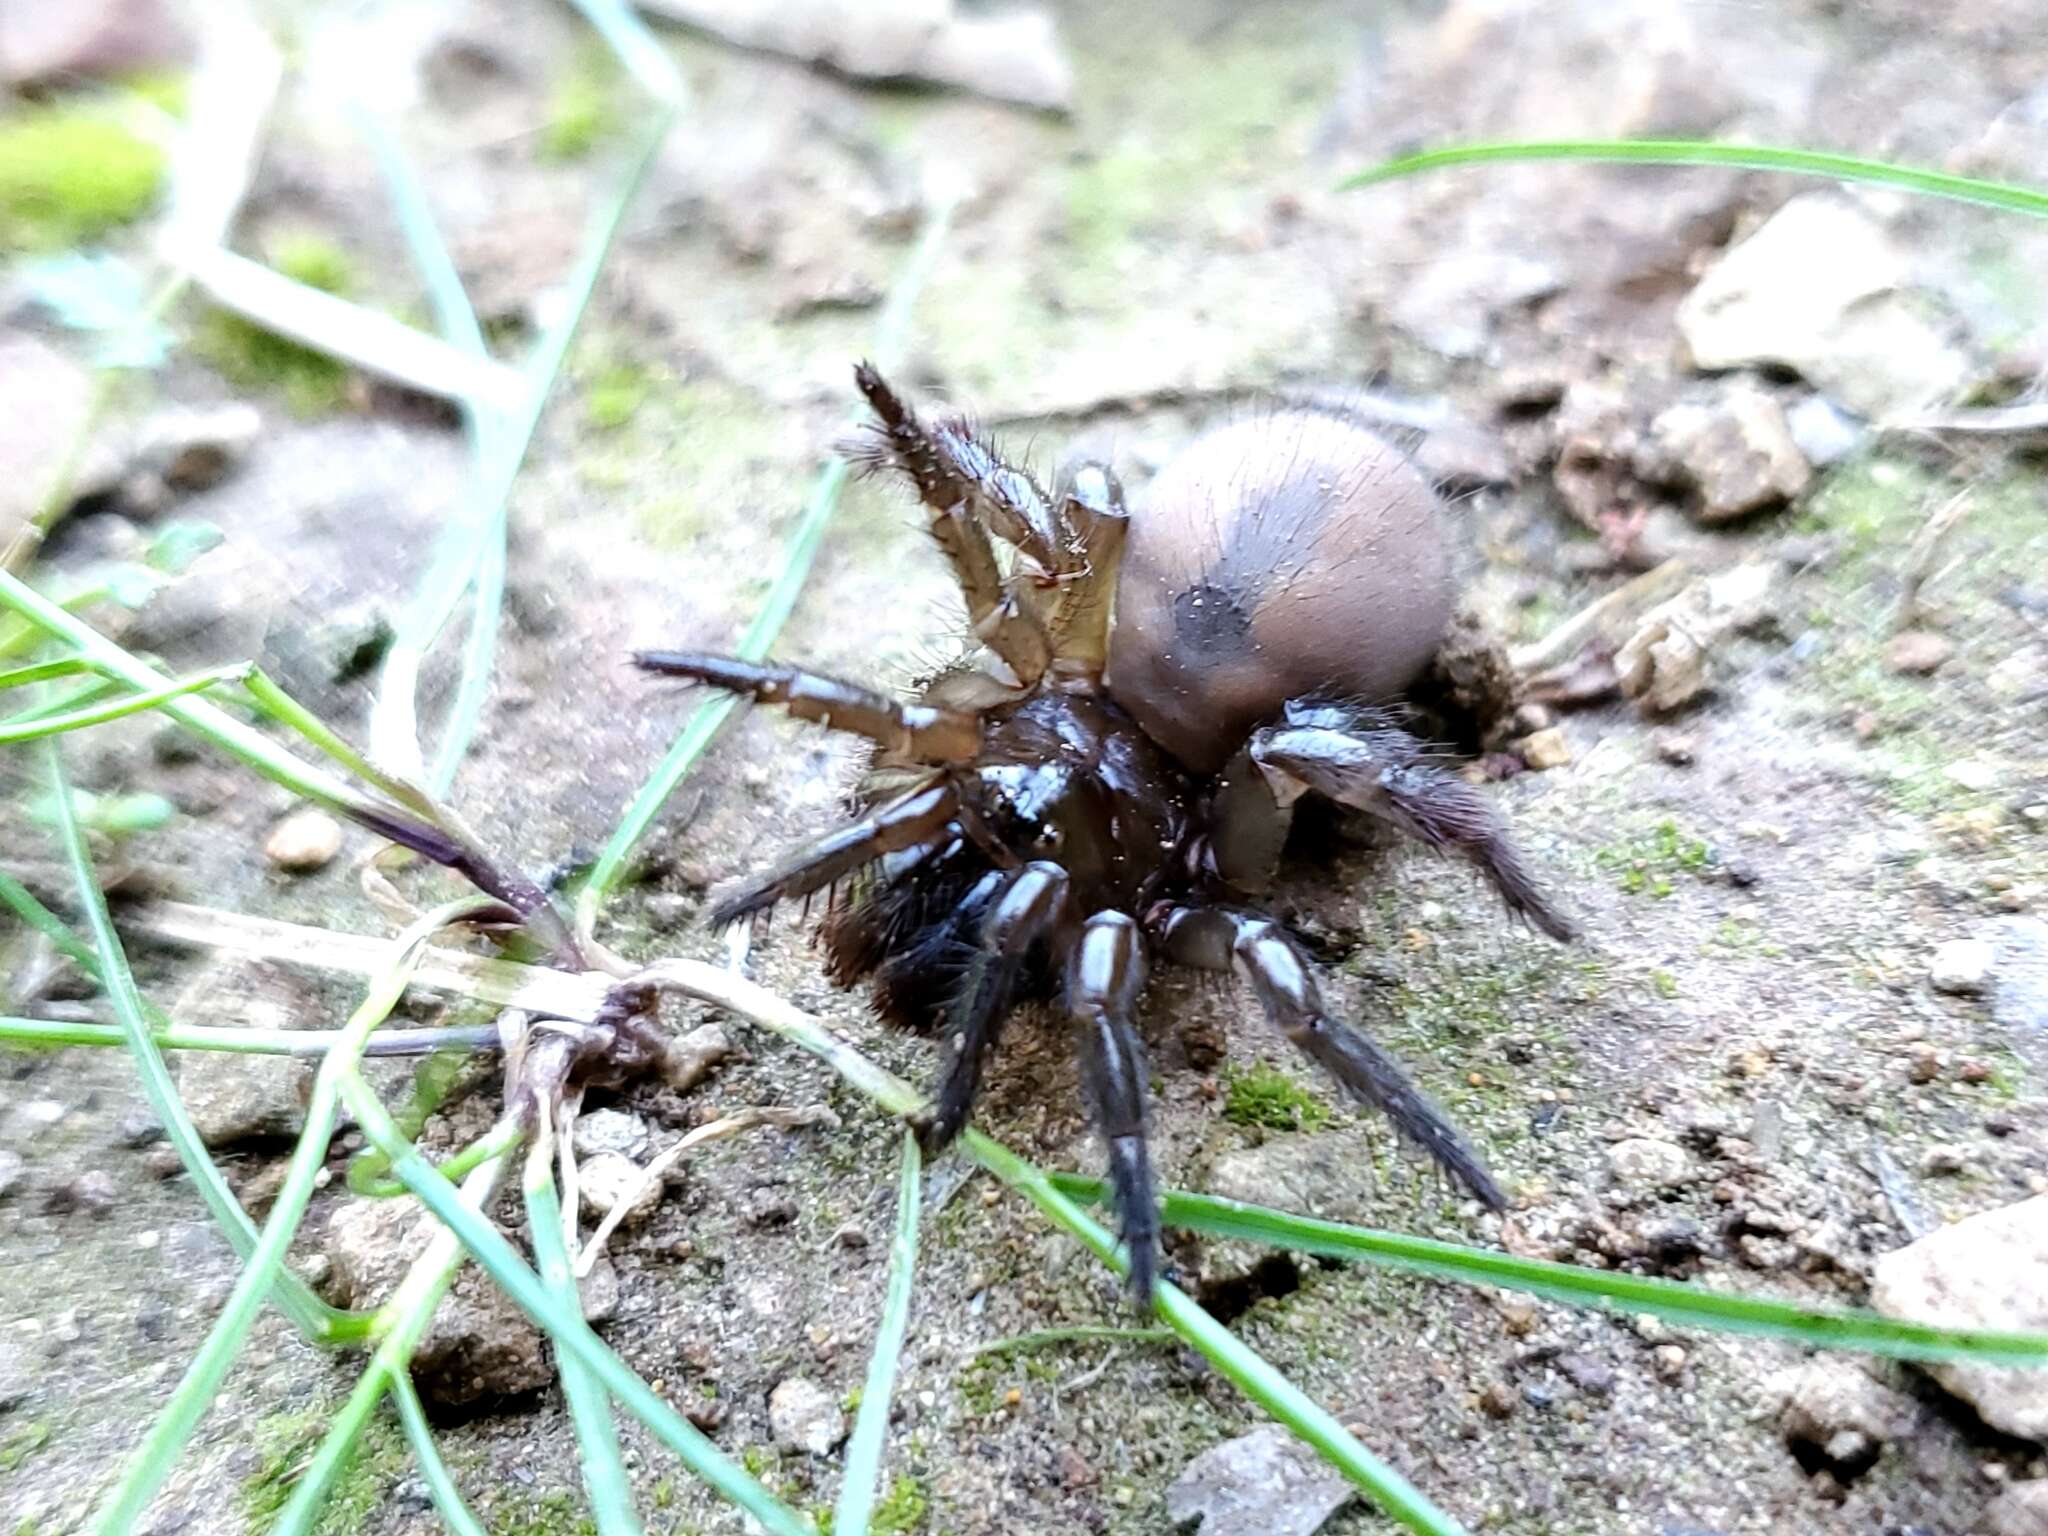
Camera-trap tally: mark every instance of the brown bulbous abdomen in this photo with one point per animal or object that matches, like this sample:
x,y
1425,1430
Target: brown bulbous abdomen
x,y
1287,554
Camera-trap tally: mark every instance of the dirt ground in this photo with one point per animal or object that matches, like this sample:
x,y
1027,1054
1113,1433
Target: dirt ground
x,y
1761,879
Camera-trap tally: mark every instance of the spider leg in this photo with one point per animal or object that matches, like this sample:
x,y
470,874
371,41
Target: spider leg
x,y
1091,507
1361,759
917,732
922,816
964,487
1105,973
1258,949
1024,913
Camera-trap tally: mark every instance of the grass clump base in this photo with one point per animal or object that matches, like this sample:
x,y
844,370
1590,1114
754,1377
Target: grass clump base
x,y
1268,1098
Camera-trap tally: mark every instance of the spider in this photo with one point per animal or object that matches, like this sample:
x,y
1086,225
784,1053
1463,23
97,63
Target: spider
x,y
1107,778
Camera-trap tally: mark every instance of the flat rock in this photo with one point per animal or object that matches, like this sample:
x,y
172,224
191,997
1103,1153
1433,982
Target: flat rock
x,y
1821,288
44,397
11,1169
479,1347
1989,1271
2022,1510
1736,449
233,1097
1266,1483
610,1130
2019,978
96,39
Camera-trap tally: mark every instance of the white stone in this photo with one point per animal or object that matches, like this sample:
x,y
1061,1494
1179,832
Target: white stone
x,y
805,1417
608,1178
1645,1163
1961,966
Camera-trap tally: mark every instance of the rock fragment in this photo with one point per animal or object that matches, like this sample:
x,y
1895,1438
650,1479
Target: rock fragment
x,y
1265,1483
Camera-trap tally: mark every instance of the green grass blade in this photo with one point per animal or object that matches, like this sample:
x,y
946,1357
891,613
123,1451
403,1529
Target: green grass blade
x,y
23,903
863,1474
2007,196
709,718
132,704
403,1321
152,1461
590,1410
1825,1328
42,672
1246,1369
46,1033
412,1417
566,1326
207,721
109,964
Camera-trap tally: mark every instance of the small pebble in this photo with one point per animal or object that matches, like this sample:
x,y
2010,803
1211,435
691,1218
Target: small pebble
x,y
1962,966
1545,749
161,1162
1926,1066
850,1236
303,842
11,1166
1677,747
1942,1162
1668,1361
1496,1402
1918,652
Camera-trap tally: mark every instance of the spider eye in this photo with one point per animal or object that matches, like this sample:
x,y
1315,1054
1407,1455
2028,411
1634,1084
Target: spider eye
x,y
1046,838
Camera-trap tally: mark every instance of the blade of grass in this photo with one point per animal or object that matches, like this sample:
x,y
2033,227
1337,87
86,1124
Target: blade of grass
x,y
566,1326
2007,196
133,704
152,1461
412,1417
590,1410
206,720
1825,1328
709,718
245,1042
109,963
863,1474
403,1322
1287,1403
42,672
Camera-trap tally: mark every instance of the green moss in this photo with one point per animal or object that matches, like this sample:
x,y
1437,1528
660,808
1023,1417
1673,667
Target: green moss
x,y
1267,1097
22,1441
250,357
69,174
1664,983
1647,865
901,1509
615,395
582,108
285,1445
559,1513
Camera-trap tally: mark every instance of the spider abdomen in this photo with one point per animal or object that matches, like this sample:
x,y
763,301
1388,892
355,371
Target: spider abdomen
x,y
1288,554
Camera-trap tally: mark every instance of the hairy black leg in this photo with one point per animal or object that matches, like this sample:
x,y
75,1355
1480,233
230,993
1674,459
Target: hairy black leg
x,y
1359,758
924,815
957,480
1105,973
1026,912
917,732
1257,948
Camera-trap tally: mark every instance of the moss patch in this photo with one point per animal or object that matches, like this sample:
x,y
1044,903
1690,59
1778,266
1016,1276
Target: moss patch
x,y
582,108
286,1445
1647,865
68,175
252,358
1265,1096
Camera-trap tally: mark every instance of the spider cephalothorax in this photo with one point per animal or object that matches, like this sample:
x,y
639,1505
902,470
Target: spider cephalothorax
x,y
1078,798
